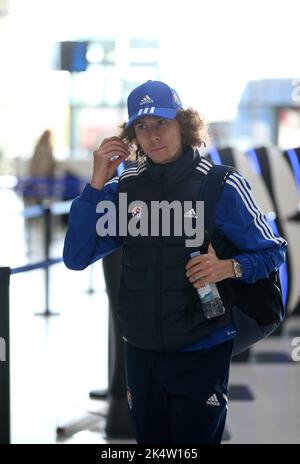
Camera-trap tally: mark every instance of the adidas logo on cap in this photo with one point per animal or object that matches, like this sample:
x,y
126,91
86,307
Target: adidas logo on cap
x,y
146,100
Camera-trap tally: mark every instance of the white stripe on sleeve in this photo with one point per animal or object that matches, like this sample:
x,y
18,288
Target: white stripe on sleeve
x,y
240,185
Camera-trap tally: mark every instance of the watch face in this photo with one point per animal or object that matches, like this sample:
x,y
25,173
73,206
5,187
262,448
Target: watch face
x,y
237,269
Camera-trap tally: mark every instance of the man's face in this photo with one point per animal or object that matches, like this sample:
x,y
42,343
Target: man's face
x,y
159,138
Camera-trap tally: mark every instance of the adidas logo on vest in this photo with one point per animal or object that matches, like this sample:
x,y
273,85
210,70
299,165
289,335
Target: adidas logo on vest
x,y
190,214
213,401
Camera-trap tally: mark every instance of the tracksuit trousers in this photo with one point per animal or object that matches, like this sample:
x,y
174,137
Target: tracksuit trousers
x,y
178,397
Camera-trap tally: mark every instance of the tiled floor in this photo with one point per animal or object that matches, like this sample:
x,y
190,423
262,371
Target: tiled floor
x,y
57,361
273,416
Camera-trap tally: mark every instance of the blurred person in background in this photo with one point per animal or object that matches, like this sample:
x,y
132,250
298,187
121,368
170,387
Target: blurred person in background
x,y
42,163
39,185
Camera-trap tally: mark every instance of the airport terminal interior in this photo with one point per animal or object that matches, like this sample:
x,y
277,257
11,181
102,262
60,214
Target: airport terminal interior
x,y
60,354
58,360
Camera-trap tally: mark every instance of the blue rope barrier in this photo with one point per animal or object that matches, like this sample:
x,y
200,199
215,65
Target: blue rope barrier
x,y
41,188
60,207
32,211
39,265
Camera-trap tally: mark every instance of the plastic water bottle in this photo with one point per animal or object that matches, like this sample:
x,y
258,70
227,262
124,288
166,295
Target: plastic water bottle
x,y
211,302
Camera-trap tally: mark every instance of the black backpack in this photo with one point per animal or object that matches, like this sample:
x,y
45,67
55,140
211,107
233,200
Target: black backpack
x,y
257,309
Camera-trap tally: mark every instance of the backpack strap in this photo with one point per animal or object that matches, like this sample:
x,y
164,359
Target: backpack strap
x,y
210,191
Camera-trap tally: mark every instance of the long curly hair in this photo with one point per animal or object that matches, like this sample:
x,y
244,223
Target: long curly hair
x,y
193,129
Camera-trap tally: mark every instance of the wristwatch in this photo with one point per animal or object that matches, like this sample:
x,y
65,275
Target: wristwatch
x,y
237,269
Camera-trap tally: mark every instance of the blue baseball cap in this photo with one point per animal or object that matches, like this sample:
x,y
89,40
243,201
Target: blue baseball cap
x,y
153,98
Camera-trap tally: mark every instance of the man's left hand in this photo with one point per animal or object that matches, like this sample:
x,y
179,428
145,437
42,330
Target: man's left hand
x,y
205,269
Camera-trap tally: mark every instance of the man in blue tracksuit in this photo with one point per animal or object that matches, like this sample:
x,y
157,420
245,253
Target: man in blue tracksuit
x,y
177,361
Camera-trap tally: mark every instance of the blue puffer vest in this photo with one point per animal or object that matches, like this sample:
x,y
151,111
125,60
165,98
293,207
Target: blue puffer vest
x,y
158,308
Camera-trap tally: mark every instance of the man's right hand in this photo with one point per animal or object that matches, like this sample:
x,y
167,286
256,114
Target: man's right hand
x,y
104,168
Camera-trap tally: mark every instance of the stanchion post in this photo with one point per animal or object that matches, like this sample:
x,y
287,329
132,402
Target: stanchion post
x,y
4,357
91,289
47,243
